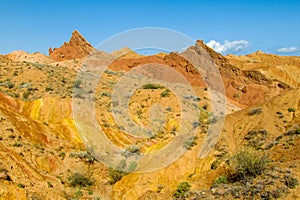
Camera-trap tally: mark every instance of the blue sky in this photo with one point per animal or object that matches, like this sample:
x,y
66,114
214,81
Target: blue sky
x,y
238,27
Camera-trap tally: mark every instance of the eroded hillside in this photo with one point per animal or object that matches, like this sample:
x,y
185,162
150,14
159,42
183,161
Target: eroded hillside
x,y
45,156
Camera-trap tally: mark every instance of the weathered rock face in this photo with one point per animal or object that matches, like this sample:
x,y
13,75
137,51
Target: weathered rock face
x,y
258,85
28,57
125,53
77,47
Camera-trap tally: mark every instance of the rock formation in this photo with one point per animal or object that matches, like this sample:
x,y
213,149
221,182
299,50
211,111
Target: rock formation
x,y
77,47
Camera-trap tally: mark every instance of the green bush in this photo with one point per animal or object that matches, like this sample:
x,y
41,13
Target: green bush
x,y
116,175
165,93
220,180
10,85
77,83
132,150
64,80
20,185
48,89
110,72
290,181
49,184
86,156
17,144
212,119
78,179
214,165
291,109
78,194
255,111
105,94
247,163
26,94
62,155
182,188
192,141
152,86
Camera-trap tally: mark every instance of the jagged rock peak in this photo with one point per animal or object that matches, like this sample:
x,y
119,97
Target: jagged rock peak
x,y
200,43
77,47
78,39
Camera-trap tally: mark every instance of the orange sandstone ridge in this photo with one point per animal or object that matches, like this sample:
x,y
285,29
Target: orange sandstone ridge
x,y
77,47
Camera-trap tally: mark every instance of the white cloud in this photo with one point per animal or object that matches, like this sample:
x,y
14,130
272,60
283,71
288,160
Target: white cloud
x,y
288,50
228,46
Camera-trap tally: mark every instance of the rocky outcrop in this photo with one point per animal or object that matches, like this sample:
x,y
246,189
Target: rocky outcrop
x,y
125,53
77,47
28,57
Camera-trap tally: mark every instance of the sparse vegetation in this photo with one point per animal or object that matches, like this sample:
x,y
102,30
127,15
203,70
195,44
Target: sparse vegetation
x,y
132,150
26,94
152,86
220,180
182,189
20,185
63,80
290,181
256,138
17,144
247,163
77,83
291,109
165,93
105,94
115,175
87,156
236,95
192,141
212,119
78,179
7,84
62,155
160,188
49,184
292,132
279,137
10,85
173,131
110,72
255,111
118,172
214,165
48,89
169,109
